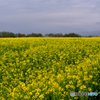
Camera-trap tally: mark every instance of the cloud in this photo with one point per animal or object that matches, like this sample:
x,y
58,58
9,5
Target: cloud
x,y
49,16
97,22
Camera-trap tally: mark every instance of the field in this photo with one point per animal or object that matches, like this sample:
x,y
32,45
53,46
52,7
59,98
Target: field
x,y
49,68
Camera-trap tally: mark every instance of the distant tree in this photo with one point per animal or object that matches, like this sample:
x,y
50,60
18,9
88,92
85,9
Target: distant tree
x,y
23,35
19,35
4,34
34,35
40,35
89,36
16,35
0,34
72,35
11,34
66,35
46,34
58,35
50,34
27,35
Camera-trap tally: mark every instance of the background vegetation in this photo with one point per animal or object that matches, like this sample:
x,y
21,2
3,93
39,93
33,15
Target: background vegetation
x,y
11,34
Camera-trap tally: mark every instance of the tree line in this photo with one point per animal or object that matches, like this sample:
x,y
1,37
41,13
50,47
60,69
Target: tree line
x,y
11,34
61,35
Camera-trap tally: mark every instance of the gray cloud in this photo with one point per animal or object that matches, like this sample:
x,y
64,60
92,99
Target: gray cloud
x,y
97,22
49,16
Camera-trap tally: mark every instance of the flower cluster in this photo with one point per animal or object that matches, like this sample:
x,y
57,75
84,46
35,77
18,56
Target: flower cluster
x,y
48,68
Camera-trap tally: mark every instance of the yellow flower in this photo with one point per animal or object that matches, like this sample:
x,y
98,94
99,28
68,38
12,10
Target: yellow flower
x,y
28,60
30,93
89,89
25,88
75,97
70,82
41,96
96,83
95,68
67,86
14,89
38,90
90,76
85,72
13,94
66,93
60,88
85,78
3,98
71,86
37,94
83,87
26,97
54,54
59,93
93,82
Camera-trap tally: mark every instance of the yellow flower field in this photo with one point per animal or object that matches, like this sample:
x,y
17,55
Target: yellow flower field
x,y
49,68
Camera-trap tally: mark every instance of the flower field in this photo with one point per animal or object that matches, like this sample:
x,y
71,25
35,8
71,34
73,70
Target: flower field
x,y
49,68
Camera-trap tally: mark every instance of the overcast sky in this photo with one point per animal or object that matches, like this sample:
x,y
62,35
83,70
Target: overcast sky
x,y
49,16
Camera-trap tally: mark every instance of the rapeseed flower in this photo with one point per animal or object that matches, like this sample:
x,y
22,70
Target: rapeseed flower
x,y
37,68
41,96
89,89
83,87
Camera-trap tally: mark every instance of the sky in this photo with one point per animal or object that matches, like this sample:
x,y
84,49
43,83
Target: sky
x,y
50,16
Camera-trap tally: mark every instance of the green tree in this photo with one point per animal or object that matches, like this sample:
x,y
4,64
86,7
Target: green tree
x,y
19,35
72,35
11,34
4,34
40,35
